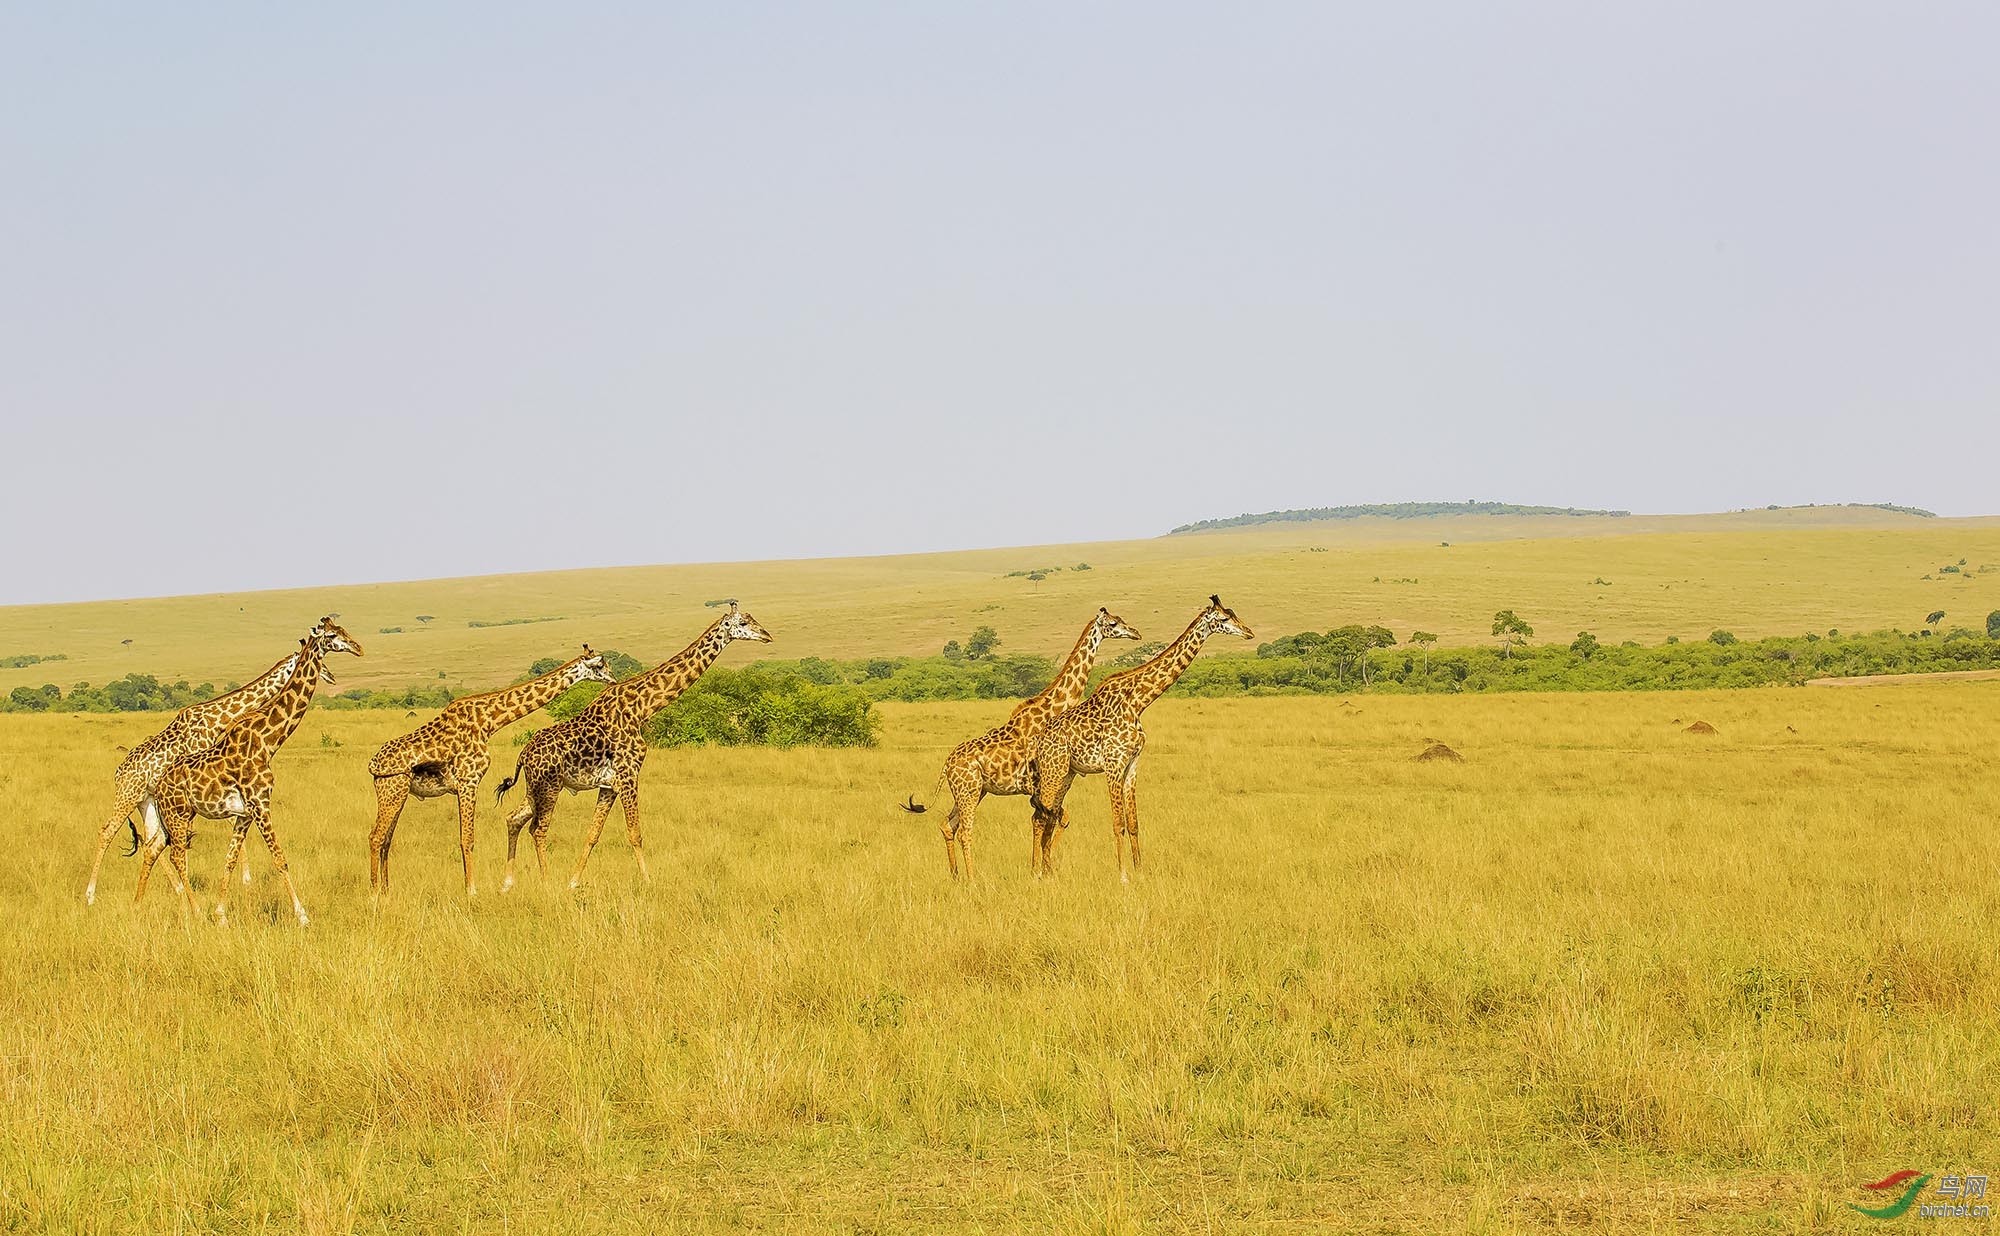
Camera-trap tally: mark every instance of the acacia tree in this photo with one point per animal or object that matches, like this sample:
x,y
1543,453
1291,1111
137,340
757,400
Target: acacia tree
x,y
981,643
1584,645
1424,640
1509,627
1993,625
1934,618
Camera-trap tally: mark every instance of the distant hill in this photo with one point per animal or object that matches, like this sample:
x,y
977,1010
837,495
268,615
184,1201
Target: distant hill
x,y
1853,506
1388,510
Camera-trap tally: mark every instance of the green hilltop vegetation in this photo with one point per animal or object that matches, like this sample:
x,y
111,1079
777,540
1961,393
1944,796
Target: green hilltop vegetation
x,y
1620,603
1390,510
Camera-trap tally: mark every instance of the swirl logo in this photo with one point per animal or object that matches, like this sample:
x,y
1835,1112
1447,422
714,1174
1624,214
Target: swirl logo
x,y
1901,1204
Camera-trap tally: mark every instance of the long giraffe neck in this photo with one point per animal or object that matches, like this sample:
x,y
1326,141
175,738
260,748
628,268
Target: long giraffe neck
x,y
510,704
1141,686
1074,676
639,698
208,719
275,724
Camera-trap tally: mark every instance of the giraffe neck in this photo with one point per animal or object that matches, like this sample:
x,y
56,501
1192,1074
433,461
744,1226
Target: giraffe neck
x,y
1150,681
639,698
1074,676
225,710
510,704
275,724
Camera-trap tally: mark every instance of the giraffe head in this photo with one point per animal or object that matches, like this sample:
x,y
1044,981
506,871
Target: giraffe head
x,y
1110,626
589,667
330,637
738,625
1219,619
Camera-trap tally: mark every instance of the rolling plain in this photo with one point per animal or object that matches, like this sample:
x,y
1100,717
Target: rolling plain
x,y
1603,974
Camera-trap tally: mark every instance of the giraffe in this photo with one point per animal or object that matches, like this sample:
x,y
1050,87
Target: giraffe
x,y
1103,734
601,748
194,729
447,755
1002,760
233,779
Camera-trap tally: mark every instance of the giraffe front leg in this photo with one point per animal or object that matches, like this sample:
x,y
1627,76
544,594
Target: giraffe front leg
x,y
467,777
391,793
238,832
628,793
284,868
468,807
1117,789
605,797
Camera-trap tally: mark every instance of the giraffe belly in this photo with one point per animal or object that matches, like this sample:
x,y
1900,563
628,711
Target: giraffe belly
x,y
428,781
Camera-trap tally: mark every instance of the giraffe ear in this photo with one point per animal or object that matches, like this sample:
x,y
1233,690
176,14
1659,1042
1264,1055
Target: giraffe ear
x,y
1215,600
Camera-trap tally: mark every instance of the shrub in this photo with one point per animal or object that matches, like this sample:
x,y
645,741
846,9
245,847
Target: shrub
x,y
764,706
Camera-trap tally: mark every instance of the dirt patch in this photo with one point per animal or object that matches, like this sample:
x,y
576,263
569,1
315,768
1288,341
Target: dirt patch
x,y
1438,751
1699,727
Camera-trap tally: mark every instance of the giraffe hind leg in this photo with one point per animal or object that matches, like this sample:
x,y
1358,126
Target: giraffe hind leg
x,y
391,793
121,817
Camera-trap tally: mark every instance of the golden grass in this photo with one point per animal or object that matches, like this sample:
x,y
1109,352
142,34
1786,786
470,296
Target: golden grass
x,y
1602,972
1757,573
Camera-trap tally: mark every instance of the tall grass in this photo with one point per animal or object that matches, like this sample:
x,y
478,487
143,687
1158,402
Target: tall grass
x,y
1604,971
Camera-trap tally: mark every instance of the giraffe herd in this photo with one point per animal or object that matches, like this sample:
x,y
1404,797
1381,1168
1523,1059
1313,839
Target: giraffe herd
x,y
215,760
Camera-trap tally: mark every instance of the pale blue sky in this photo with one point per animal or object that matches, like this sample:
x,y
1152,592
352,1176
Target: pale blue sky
x,y
296,297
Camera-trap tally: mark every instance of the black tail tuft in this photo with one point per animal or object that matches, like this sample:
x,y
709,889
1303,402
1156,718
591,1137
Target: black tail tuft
x,y
500,791
134,826
913,806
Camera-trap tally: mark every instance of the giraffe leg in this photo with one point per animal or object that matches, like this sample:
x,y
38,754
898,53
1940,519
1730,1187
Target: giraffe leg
x,y
965,795
179,856
628,794
467,776
605,797
121,811
468,807
238,832
515,822
278,861
391,793
1132,811
1053,775
1118,825
149,855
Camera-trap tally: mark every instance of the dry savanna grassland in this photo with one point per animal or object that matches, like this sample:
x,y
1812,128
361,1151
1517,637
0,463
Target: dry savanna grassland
x,y
1603,973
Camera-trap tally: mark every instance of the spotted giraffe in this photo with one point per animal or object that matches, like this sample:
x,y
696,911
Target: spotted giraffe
x,y
194,729
232,780
1103,734
602,749
1001,761
448,755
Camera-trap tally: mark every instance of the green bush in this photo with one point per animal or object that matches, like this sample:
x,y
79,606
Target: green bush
x,y
765,706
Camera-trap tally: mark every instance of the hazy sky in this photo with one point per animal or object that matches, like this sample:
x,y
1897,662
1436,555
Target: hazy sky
x,y
348,294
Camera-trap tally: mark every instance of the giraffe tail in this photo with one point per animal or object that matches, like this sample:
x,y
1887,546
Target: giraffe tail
x,y
152,826
500,791
937,791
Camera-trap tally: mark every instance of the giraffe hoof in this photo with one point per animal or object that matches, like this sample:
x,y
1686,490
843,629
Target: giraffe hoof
x,y
90,895
507,884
